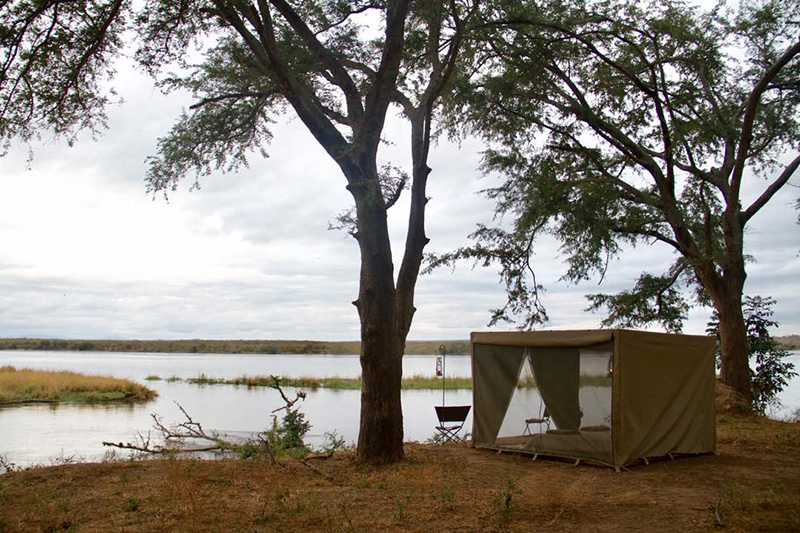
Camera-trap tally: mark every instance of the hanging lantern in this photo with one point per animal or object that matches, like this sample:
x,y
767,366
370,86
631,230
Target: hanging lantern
x,y
438,367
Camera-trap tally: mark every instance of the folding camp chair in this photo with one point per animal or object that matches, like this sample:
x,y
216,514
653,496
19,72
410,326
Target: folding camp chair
x,y
451,420
545,419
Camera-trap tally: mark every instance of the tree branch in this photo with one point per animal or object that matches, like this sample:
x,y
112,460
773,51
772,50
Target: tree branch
x,y
767,195
229,96
96,44
382,90
751,107
350,13
342,79
301,98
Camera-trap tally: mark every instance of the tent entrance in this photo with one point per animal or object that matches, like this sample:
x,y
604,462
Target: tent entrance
x,y
560,403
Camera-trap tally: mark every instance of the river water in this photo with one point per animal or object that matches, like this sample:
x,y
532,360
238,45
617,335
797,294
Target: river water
x,y
43,433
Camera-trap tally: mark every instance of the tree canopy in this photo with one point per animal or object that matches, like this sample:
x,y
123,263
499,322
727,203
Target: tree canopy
x,y
55,56
622,123
338,66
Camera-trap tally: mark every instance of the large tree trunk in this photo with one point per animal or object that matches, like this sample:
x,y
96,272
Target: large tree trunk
x,y
735,353
380,438
726,294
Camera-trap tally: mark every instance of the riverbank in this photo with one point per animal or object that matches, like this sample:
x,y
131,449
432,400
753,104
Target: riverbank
x,y
751,485
304,347
19,386
416,382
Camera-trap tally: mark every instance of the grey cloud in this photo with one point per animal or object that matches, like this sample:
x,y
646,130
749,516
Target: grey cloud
x,y
299,278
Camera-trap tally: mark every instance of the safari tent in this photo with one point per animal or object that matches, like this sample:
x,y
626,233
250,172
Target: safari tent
x,y
609,396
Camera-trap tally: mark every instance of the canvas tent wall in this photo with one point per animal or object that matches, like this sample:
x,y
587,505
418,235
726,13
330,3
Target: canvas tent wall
x,y
608,396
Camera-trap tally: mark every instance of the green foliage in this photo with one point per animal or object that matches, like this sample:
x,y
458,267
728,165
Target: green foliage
x,y
251,449
652,299
500,506
436,438
132,504
625,123
772,372
285,438
55,56
507,493
446,496
290,433
222,130
400,504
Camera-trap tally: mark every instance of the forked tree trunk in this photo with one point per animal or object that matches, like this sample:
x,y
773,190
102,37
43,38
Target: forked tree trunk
x,y
380,438
725,288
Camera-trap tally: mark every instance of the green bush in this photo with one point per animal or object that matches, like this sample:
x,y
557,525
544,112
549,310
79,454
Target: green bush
x,y
289,434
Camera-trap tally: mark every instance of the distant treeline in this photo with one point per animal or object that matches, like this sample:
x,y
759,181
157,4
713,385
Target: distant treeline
x,y
789,342
223,346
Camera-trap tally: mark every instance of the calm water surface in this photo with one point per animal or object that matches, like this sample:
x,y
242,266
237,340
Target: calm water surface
x,y
40,434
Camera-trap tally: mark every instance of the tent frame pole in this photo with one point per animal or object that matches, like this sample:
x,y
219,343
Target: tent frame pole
x,y
443,351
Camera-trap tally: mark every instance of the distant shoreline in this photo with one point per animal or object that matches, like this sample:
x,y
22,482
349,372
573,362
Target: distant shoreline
x,y
292,347
299,347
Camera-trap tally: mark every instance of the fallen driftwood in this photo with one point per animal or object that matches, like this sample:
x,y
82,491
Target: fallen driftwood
x,y
174,438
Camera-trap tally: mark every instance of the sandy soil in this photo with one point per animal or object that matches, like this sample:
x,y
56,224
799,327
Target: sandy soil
x,y
753,484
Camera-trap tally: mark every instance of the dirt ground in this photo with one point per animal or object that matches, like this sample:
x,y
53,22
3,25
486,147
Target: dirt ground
x,y
752,484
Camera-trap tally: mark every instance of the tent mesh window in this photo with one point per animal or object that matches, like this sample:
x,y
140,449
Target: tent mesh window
x,y
561,403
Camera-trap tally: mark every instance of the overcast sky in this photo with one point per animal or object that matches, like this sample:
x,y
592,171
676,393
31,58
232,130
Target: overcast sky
x,y
86,253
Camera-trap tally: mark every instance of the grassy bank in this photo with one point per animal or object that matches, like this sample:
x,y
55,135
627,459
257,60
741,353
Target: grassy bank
x,y
413,382
751,485
416,382
25,386
224,346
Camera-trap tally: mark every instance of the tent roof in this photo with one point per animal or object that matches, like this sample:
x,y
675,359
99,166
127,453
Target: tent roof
x,y
544,339
571,338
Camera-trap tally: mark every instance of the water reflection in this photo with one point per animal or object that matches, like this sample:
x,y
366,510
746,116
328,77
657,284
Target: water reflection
x,y
36,434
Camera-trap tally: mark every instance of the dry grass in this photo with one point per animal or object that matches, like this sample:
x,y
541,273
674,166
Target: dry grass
x,y
27,385
413,382
416,381
752,485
